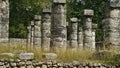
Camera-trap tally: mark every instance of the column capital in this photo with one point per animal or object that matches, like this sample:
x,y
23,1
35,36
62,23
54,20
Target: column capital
x,y
88,12
59,1
46,10
74,20
37,17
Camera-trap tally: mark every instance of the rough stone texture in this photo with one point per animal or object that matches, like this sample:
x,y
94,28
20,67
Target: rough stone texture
x,y
16,41
87,29
8,54
111,24
4,21
46,29
28,36
73,35
93,41
51,64
32,34
26,56
50,56
80,38
114,3
37,31
59,30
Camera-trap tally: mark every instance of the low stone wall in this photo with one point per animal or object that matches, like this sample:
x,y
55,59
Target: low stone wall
x,y
50,64
17,42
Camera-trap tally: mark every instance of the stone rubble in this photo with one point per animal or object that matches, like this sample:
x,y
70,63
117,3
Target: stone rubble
x,y
51,64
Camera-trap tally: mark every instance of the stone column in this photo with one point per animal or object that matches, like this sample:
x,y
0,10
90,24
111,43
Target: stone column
x,y
94,26
28,36
32,34
73,36
37,31
87,26
46,28
59,30
111,25
80,38
4,21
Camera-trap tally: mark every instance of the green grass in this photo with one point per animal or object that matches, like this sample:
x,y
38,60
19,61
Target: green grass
x,y
63,56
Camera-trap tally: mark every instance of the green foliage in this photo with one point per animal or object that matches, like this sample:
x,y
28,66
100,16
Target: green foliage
x,y
75,9
23,11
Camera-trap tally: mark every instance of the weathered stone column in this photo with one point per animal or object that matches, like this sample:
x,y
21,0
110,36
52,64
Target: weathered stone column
x,y
59,30
46,29
32,34
111,25
28,36
80,38
37,31
87,26
94,26
73,36
4,21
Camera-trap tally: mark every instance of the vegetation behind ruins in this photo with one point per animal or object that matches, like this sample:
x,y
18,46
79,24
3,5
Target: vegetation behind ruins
x,y
23,11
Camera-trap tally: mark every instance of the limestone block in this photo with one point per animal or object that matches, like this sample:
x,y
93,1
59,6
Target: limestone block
x,y
4,28
74,43
73,36
50,56
26,56
4,40
80,39
114,3
74,26
88,12
8,54
37,41
37,17
37,28
4,34
59,1
46,34
115,13
46,26
60,21
88,33
46,10
46,43
38,23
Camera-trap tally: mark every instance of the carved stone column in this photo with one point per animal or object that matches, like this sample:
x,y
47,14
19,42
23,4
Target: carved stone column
x,y
80,38
111,25
4,21
73,36
87,28
46,28
37,31
59,30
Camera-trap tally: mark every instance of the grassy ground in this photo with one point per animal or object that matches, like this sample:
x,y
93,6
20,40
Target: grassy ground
x,y
63,56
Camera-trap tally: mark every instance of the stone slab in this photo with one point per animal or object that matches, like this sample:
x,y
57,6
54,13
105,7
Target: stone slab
x,y
26,56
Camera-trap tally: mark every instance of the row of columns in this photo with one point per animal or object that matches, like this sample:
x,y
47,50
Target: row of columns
x,y
53,30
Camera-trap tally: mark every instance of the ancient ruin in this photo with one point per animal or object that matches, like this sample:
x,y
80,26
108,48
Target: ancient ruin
x,y
111,24
4,21
50,28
